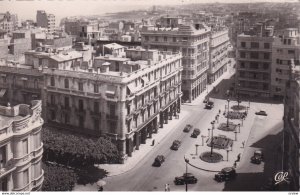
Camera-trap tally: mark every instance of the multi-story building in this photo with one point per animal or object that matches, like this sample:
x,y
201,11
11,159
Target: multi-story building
x,y
20,43
120,97
21,147
8,22
254,59
218,54
192,39
45,20
286,47
291,133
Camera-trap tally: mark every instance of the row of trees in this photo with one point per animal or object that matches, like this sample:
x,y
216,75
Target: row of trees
x,y
77,151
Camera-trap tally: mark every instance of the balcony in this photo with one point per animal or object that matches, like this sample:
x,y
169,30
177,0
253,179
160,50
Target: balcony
x,y
95,114
8,167
111,117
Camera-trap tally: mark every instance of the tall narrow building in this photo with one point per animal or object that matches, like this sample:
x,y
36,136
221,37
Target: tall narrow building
x,y
192,39
45,20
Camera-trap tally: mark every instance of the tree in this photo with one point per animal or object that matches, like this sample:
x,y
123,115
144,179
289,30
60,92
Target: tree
x,y
58,178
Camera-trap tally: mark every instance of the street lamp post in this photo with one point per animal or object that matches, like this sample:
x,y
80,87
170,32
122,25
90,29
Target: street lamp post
x,y
239,127
208,132
202,136
212,137
217,118
227,154
235,138
186,171
196,148
228,100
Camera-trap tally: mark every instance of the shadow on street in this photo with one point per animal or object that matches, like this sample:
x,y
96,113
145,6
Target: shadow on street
x,y
270,144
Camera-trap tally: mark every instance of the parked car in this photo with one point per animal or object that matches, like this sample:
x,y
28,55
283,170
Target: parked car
x,y
195,133
176,144
158,161
209,105
225,174
186,178
263,113
187,128
257,157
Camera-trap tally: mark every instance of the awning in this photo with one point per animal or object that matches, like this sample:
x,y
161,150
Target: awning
x,y
132,88
24,78
2,92
110,90
145,79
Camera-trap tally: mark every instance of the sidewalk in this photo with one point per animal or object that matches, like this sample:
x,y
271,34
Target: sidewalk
x,y
237,148
145,149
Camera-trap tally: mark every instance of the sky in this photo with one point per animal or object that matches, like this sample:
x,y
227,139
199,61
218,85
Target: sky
x,y
26,9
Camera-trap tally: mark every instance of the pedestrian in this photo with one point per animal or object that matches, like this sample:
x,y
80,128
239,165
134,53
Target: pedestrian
x,y
239,157
153,142
219,111
243,143
166,187
234,164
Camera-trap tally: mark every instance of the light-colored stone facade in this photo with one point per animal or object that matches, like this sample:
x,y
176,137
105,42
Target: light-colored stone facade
x,y
286,48
193,41
254,60
218,54
21,147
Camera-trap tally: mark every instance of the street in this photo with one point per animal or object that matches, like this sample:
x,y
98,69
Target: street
x,y
144,177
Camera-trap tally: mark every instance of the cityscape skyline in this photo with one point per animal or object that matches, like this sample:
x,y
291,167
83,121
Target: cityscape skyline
x,y
58,8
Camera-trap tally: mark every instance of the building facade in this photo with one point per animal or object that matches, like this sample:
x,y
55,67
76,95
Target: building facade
x,y
190,39
45,20
254,59
286,47
123,98
21,148
8,22
218,54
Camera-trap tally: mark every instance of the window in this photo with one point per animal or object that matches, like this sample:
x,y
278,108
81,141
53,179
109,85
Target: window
x,y
242,54
52,81
267,45
3,184
174,39
254,44
184,39
266,66
2,156
67,118
96,124
36,84
112,109
253,65
96,88
66,83
96,107
266,56
117,67
25,177
40,61
156,39
143,100
254,55
25,146
165,39
80,105
52,99
242,65
146,38
289,41
80,86
81,121
243,44
52,115
67,104
25,83
291,51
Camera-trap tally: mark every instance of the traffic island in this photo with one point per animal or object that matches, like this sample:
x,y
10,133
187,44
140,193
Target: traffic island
x,y
231,127
211,157
238,107
235,115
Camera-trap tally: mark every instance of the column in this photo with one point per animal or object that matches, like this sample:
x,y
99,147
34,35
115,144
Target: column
x,y
155,125
150,129
174,108
166,115
129,146
137,140
143,135
190,95
178,105
161,119
170,112
122,150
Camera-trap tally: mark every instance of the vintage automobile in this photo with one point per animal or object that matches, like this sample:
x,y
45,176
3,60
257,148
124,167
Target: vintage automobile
x,y
158,161
195,133
209,105
188,178
257,157
187,128
176,144
263,113
225,174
